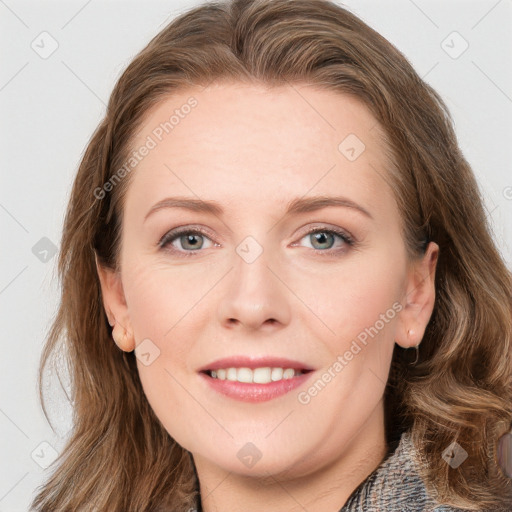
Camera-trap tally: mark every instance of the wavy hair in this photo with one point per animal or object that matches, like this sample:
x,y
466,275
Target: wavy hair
x,y
119,456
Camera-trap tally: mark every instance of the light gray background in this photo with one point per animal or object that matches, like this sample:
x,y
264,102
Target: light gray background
x,y
50,106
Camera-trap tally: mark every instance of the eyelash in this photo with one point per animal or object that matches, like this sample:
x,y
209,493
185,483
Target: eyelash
x,y
173,235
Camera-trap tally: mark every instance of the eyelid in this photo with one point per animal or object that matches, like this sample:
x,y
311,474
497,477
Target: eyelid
x,y
176,232
334,229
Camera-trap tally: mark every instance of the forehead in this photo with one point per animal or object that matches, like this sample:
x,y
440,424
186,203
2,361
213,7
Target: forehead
x,y
238,142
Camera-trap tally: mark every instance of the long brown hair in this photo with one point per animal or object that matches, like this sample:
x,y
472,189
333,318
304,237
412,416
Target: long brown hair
x,y
119,457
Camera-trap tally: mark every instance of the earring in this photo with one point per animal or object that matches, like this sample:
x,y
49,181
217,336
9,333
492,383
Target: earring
x,y
417,354
410,333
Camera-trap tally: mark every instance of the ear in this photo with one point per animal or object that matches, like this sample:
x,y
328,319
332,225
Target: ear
x,y
419,298
115,306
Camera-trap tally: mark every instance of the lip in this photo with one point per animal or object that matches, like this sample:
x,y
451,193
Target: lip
x,y
255,362
252,392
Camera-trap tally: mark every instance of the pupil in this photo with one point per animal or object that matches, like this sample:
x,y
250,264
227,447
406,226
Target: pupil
x,y
321,237
190,240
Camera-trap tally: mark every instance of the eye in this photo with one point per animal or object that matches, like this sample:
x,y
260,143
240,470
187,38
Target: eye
x,y
184,240
187,241
323,240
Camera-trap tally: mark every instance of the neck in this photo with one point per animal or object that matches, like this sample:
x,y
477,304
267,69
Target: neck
x,y
319,489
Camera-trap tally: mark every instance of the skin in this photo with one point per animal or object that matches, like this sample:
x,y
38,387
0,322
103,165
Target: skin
x,y
253,150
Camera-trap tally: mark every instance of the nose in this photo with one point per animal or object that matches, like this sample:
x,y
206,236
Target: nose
x,y
254,296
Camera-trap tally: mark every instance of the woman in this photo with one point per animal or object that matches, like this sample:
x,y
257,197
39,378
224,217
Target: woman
x,y
222,357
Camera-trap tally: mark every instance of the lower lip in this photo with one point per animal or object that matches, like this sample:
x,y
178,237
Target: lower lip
x,y
251,392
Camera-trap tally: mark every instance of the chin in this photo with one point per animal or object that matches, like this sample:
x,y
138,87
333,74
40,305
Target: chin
x,y
261,462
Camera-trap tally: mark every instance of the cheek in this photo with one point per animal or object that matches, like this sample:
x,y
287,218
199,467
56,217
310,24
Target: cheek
x,y
360,293
160,297
150,302
159,303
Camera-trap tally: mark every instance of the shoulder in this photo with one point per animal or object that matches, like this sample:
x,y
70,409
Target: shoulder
x,y
396,485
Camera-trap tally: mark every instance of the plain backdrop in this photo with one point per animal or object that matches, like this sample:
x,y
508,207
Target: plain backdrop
x,y
59,63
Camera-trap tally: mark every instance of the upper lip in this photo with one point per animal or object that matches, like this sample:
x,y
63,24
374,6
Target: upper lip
x,y
254,362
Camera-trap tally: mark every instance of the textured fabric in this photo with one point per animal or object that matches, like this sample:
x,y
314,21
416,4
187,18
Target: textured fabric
x,y
395,486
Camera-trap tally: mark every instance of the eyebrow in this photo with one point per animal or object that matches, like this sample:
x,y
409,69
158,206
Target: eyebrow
x,y
296,206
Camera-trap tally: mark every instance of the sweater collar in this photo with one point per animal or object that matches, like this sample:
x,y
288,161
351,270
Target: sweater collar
x,y
394,485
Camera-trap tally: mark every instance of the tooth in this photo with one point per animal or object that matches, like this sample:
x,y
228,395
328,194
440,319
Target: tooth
x,y
244,375
277,374
231,374
261,375
288,373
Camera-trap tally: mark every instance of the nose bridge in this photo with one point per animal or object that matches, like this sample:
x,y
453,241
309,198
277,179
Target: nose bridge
x,y
253,296
251,270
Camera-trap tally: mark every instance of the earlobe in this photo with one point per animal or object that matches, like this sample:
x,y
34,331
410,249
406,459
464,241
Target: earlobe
x,y
123,338
419,299
115,306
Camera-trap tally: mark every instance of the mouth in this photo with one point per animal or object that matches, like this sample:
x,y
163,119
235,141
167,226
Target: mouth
x,y
261,375
259,384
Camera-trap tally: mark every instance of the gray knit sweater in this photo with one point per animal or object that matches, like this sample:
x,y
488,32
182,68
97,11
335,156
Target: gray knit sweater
x,y
395,485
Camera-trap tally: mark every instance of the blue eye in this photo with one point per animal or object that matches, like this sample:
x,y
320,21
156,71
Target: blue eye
x,y
189,242
188,239
322,237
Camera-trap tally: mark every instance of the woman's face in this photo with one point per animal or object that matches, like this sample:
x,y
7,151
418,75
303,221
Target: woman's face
x,y
270,166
